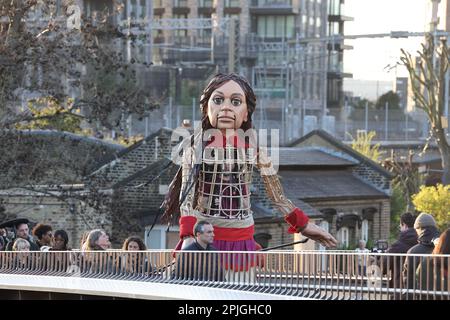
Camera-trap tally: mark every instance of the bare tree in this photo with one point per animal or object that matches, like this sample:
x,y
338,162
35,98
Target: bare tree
x,y
76,73
427,77
41,56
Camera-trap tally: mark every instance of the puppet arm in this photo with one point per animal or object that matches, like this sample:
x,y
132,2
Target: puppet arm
x,y
295,217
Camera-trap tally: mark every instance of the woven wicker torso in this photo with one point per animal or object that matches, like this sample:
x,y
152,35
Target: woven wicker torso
x,y
224,182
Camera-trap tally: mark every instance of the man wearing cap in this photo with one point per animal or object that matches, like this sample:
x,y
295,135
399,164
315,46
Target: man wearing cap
x,y
22,231
427,232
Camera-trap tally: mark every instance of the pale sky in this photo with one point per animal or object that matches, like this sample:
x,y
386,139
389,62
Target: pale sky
x,y
370,56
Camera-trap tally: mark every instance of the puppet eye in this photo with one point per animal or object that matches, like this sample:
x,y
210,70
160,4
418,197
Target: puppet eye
x,y
236,102
218,100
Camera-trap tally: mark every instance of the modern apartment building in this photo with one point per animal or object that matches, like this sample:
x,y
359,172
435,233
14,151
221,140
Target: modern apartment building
x,y
282,46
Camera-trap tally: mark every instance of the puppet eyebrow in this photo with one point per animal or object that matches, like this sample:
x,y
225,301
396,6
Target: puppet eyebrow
x,y
233,94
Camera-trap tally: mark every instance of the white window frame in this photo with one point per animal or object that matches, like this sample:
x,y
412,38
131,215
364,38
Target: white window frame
x,y
343,236
365,230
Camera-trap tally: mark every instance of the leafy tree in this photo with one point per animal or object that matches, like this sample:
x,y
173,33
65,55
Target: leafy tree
x,y
363,144
398,207
435,201
49,114
129,141
361,104
391,98
428,86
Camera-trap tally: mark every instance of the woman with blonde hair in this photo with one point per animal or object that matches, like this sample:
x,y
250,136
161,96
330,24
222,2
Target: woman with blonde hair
x,y
21,246
97,240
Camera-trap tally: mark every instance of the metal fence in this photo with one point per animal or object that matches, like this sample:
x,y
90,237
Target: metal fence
x,y
294,123
324,275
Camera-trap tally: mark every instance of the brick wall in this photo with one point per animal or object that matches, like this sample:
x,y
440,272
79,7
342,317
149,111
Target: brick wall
x,y
372,177
378,228
153,148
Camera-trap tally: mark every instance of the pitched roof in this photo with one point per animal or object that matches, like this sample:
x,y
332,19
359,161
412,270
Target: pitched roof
x,y
325,184
124,151
156,168
338,144
311,157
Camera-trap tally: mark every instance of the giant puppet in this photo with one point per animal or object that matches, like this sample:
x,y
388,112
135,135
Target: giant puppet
x,y
214,180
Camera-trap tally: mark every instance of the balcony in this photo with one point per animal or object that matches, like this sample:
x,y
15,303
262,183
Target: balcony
x,y
339,18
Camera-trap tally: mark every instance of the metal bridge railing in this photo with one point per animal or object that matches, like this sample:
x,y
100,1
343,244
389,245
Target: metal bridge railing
x,y
305,274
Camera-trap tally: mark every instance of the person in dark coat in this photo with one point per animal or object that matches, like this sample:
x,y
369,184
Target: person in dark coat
x,y
406,240
22,230
432,273
200,266
427,232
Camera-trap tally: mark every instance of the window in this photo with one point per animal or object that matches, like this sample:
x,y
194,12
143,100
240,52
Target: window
x,y
365,230
206,3
232,3
180,32
343,237
181,3
335,7
325,225
205,34
275,26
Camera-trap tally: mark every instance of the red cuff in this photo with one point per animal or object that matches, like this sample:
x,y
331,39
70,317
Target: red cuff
x,y
187,224
292,230
296,219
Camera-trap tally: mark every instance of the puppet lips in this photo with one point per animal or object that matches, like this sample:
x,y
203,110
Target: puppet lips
x,y
226,118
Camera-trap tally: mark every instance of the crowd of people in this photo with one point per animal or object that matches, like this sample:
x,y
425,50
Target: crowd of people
x,y
42,238
418,236
422,269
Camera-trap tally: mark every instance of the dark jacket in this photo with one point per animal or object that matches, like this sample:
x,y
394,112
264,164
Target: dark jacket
x,y
406,241
198,266
33,245
431,275
425,246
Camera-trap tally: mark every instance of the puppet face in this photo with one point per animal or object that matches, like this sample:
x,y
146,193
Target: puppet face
x,y
227,107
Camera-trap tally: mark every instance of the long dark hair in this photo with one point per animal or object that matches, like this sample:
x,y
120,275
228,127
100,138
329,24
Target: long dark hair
x,y
171,204
443,247
63,234
134,239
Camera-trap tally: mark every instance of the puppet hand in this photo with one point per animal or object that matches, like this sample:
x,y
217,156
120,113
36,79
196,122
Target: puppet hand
x,y
318,234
